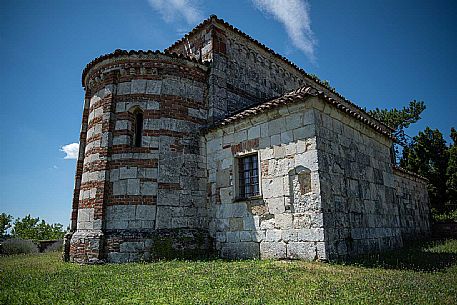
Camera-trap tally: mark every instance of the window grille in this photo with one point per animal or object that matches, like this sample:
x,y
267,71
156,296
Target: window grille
x,y
248,170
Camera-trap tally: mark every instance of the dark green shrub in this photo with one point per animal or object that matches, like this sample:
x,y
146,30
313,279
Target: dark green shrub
x,y
18,246
445,217
55,247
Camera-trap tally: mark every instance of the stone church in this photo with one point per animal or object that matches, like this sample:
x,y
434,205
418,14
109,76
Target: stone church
x,y
220,146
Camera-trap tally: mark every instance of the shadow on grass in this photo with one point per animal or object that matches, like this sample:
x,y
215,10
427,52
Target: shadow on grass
x,y
428,256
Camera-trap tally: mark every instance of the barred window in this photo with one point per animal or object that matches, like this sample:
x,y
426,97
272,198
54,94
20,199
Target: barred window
x,y
248,170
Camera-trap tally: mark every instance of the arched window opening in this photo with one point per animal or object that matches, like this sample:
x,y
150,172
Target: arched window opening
x,y
138,128
299,188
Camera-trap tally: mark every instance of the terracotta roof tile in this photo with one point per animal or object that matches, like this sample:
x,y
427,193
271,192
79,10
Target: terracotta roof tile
x,y
297,96
405,171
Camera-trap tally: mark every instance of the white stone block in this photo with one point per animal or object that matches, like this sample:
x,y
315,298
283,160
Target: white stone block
x,y
120,140
145,212
276,126
254,132
138,86
150,141
122,125
301,250
275,139
289,235
133,187
214,145
120,187
226,195
266,153
286,137
120,107
150,173
276,205
246,236
240,136
128,172
251,222
313,234
231,210
148,188
267,224
123,88
305,132
258,236
273,250
294,121
264,130
86,214
272,187
153,87
283,221
233,237
273,235
197,113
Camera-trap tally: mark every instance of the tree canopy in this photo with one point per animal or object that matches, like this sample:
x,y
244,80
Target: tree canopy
x,y
5,224
428,156
400,119
32,228
451,173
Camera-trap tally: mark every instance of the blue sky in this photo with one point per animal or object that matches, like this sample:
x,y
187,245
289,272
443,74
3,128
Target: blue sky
x,y
376,53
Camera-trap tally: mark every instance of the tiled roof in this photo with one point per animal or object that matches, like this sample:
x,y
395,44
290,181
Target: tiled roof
x,y
269,50
120,52
405,171
297,96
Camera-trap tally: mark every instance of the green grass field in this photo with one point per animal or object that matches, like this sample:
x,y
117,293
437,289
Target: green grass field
x,y
421,274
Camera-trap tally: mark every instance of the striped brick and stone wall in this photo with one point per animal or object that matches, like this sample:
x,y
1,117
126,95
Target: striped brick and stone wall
x,y
132,198
244,72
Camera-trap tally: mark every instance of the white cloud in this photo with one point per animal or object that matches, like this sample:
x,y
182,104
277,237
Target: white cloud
x,y
71,150
294,15
171,9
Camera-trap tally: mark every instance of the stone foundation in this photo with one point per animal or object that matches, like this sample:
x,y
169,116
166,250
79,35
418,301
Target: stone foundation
x,y
87,247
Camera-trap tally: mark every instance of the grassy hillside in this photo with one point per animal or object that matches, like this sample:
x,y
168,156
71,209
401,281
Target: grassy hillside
x,y
423,274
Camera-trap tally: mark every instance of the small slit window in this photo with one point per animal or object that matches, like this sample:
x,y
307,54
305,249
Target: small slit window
x,y
138,128
248,171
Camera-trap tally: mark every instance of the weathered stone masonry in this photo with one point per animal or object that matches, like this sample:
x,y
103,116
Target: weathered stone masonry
x,y
327,187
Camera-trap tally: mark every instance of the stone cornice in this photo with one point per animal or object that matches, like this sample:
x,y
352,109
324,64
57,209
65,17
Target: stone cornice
x,y
124,56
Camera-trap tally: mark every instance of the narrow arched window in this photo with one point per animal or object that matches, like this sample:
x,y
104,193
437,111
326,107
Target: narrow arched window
x,y
138,128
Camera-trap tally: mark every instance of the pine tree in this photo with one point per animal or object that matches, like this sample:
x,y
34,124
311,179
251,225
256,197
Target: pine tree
x,y
428,156
399,120
451,174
